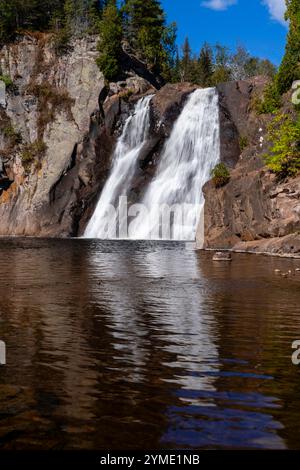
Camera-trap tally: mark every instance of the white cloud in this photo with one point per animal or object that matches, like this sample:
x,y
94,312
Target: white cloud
x,y
219,4
277,9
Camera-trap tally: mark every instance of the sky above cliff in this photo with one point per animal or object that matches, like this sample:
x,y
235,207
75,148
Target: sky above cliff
x,y
256,24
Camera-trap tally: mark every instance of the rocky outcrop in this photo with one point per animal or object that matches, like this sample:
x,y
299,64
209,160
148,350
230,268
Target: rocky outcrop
x,y
47,115
254,211
238,124
59,123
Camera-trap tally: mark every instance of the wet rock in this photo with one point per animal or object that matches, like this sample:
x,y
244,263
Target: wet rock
x,y
222,256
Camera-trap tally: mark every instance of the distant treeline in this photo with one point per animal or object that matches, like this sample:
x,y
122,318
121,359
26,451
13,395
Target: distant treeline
x,y
216,64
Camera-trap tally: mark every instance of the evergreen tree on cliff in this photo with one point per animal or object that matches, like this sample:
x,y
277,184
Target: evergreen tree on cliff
x,y
290,66
7,20
186,63
205,66
146,31
82,16
33,15
110,43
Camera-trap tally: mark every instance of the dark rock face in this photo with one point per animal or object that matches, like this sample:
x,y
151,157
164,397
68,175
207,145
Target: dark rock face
x,y
237,122
165,108
253,212
252,206
76,192
168,104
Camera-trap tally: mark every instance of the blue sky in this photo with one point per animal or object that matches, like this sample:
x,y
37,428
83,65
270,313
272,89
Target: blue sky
x,y
256,24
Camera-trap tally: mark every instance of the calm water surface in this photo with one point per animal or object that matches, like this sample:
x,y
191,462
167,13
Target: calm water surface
x,y
140,345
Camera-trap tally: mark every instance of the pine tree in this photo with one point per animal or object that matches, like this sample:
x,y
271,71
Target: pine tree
x,y
186,62
205,66
290,66
168,66
7,20
145,30
110,44
222,70
82,16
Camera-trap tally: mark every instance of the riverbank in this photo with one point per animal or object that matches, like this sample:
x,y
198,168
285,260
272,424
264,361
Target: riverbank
x,y
253,252
283,247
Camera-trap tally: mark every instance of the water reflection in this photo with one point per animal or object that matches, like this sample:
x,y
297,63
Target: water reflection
x,y
145,345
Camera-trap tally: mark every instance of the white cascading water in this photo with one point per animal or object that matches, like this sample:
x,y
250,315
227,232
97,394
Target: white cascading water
x,y
125,160
190,154
173,202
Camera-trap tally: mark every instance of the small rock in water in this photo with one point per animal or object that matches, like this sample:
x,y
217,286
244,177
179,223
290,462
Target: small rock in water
x,y
222,256
277,271
297,270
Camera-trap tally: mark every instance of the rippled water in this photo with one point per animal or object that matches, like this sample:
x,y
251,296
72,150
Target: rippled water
x,y
146,345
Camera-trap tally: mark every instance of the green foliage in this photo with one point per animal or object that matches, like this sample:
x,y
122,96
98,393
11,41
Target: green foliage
x,y
7,80
290,66
7,20
81,16
220,175
244,66
10,133
263,67
186,64
205,66
169,52
126,94
33,15
289,69
33,152
243,142
283,157
270,101
147,33
218,64
222,71
68,17
110,44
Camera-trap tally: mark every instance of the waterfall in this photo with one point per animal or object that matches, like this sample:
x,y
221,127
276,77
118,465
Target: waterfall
x,y
124,164
173,203
190,154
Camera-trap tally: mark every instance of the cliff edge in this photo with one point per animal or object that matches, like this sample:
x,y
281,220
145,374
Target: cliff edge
x,y
255,211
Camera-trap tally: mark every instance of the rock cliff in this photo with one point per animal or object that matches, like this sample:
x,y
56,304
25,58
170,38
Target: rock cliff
x,y
46,116
254,211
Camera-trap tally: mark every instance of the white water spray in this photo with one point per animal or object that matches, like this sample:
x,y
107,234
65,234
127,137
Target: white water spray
x,y
190,154
125,160
173,202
